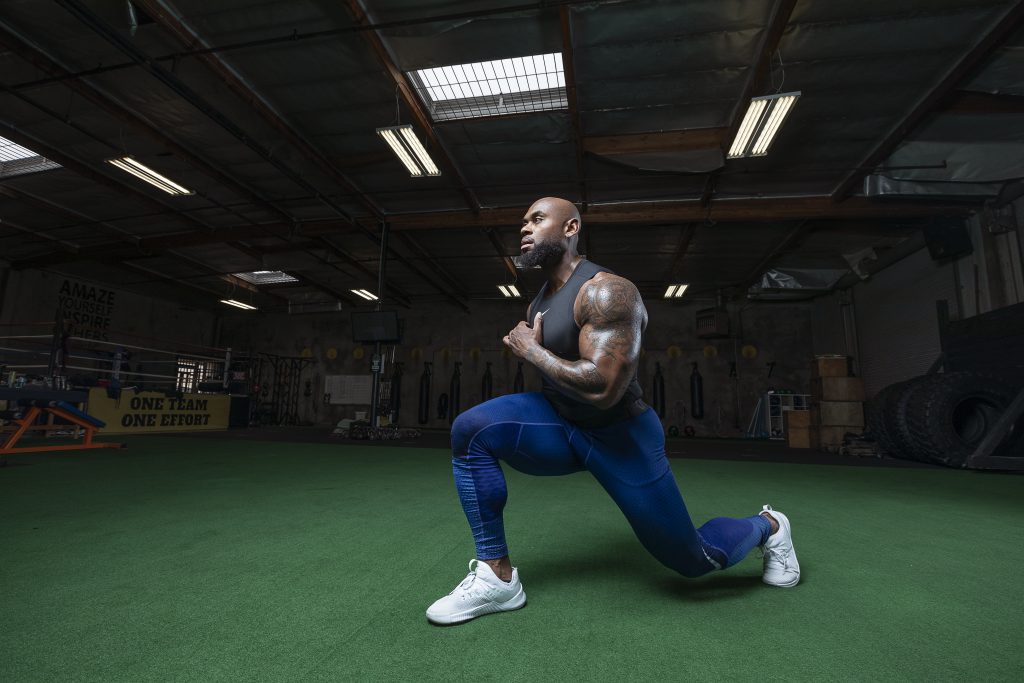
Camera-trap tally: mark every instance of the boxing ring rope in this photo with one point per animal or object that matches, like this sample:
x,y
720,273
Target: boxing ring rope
x,y
111,363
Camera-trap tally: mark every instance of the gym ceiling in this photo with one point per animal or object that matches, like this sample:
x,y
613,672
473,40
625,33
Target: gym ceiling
x,y
268,110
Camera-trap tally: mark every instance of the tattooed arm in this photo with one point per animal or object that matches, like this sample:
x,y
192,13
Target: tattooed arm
x,y
612,318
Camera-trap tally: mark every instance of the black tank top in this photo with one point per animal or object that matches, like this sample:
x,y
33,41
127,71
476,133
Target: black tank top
x,y
561,336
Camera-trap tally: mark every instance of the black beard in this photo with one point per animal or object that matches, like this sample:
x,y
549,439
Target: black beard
x,y
543,255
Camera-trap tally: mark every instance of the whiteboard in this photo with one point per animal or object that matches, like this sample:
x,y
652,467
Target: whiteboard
x,y
348,389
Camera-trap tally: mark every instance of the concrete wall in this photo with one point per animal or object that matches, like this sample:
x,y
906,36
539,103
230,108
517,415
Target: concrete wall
x,y
445,335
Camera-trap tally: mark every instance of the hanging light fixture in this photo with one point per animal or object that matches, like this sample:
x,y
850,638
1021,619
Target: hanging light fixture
x,y
365,293
145,173
761,123
675,291
238,304
410,151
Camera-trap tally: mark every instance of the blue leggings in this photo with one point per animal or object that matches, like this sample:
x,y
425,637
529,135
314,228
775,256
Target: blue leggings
x,y
627,458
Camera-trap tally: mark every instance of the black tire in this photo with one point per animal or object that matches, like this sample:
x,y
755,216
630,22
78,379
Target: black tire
x,y
874,416
897,433
949,417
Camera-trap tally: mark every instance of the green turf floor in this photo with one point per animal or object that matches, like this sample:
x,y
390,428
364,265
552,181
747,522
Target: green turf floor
x,y
215,560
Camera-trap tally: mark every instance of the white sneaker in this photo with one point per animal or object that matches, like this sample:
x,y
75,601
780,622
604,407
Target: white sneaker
x,y
780,565
481,592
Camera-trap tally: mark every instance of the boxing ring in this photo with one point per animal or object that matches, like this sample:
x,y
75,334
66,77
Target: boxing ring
x,y
130,383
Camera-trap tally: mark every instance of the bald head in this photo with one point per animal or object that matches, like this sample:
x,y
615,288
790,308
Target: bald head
x,y
550,232
561,209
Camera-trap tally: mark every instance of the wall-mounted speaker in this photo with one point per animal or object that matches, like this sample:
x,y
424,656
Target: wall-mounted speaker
x,y
947,238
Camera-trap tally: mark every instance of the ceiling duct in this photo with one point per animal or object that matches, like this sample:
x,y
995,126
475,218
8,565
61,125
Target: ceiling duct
x,y
881,186
794,284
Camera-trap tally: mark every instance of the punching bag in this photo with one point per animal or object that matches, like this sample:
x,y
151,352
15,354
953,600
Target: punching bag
x,y
487,385
696,394
658,391
519,382
453,392
424,407
395,404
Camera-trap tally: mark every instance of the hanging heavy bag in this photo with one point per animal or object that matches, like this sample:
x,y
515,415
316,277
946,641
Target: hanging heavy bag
x,y
696,394
519,382
424,407
658,391
486,385
395,404
454,391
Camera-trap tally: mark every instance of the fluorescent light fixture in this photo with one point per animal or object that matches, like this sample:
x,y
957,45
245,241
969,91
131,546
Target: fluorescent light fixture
x,y
761,123
18,160
266,277
237,304
509,291
413,143
495,88
366,294
512,288
407,147
142,172
675,291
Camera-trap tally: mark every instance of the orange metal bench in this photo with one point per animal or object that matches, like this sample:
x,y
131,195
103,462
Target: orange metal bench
x,y
64,411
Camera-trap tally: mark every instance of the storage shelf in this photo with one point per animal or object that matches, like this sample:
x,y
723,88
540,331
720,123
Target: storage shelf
x,y
778,405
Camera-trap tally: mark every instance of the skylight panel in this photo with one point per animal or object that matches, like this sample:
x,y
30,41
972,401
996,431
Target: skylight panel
x,y
499,87
18,160
266,277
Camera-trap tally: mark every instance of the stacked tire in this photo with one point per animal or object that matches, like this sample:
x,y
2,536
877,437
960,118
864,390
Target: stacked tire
x,y
941,418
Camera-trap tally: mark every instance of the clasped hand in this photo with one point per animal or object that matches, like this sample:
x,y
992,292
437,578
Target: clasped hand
x,y
522,338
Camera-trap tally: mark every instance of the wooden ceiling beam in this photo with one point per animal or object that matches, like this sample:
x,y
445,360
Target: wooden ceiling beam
x,y
961,69
569,66
661,213
638,214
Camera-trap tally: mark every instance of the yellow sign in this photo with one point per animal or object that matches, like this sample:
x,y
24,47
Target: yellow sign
x,y
149,411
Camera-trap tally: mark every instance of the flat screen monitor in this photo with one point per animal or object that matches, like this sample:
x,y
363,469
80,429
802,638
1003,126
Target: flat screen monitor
x,y
375,326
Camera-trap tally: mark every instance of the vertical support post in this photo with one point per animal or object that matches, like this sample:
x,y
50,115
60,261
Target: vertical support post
x,y
5,275
118,358
377,363
227,368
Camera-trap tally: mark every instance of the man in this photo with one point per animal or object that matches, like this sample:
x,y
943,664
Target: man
x,y
585,340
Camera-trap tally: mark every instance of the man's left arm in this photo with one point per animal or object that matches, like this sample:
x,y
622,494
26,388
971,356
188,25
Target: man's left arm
x,y
612,317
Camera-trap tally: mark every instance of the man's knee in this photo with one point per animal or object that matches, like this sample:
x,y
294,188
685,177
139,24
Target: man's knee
x,y
465,427
687,563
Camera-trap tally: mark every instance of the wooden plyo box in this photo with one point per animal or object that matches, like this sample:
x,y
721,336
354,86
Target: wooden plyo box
x,y
838,389
802,437
830,366
796,419
841,413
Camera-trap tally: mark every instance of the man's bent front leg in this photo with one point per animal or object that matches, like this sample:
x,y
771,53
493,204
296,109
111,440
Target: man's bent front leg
x,y
525,432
